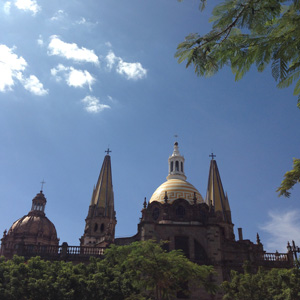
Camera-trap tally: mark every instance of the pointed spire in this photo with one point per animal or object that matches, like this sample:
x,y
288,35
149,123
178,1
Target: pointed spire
x,y
103,195
215,192
176,165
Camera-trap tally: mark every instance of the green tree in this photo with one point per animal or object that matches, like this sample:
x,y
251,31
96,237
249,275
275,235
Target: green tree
x,y
276,284
246,33
154,273
140,271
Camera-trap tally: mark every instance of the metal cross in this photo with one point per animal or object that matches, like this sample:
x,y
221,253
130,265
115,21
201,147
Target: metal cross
x,y
42,182
212,156
107,151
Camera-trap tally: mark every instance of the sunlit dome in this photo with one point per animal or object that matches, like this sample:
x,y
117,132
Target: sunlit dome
x,y
176,188
176,185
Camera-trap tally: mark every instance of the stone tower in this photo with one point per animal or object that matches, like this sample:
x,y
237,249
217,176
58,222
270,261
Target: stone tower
x,y
101,219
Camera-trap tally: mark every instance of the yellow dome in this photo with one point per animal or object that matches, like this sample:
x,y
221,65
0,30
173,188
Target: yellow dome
x,y
176,188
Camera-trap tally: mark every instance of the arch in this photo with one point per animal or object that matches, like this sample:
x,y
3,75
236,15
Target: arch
x,y
96,227
172,164
177,165
102,227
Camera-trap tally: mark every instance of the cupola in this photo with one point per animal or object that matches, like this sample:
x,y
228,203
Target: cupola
x,y
176,165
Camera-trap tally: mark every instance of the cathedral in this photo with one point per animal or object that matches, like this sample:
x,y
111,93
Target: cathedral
x,y
201,227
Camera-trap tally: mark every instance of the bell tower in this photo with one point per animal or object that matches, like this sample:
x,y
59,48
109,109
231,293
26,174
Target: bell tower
x,y
101,219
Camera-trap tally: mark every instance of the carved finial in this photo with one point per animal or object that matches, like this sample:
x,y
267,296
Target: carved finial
x,y
166,197
145,203
195,198
4,233
257,239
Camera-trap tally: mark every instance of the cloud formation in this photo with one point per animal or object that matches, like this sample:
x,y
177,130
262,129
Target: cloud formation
x,y
71,51
282,227
6,7
28,5
73,77
12,69
93,105
33,85
59,15
132,71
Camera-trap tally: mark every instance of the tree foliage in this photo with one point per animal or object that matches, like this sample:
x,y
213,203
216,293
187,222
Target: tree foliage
x,y
290,179
276,284
246,33
140,271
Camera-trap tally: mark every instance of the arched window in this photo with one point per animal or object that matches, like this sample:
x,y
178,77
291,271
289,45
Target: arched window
x,y
177,165
181,166
172,166
96,227
102,227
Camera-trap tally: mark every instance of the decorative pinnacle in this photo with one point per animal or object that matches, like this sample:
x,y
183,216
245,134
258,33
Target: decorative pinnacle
x,y
145,203
107,151
166,197
195,198
257,239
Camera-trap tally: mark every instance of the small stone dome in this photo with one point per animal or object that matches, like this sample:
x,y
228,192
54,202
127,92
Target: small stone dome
x,y
31,226
176,188
34,228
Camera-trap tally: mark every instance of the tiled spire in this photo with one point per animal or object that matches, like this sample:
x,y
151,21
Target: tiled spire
x,y
215,192
103,195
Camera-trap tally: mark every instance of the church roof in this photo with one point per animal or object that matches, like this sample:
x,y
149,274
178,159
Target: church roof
x,y
176,185
103,195
176,188
215,192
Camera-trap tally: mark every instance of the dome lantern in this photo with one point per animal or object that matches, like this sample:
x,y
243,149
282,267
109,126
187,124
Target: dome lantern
x,y
176,165
39,203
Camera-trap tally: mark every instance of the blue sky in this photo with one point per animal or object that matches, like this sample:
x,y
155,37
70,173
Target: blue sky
x,y
77,77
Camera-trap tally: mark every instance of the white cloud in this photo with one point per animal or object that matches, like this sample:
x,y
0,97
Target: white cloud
x,y
81,21
93,105
28,5
40,41
60,14
6,7
11,66
33,85
71,51
282,227
129,70
111,59
12,69
79,78
73,77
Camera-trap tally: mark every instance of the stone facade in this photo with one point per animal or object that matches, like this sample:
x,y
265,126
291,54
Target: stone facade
x,y
176,212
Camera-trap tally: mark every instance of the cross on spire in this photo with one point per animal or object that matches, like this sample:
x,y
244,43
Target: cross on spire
x,y
42,182
107,151
212,156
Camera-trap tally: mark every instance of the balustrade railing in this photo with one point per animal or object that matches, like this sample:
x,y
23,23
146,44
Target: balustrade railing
x,y
275,257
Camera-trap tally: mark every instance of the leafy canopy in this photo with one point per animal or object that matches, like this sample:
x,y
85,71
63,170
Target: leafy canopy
x,y
246,33
140,271
276,284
